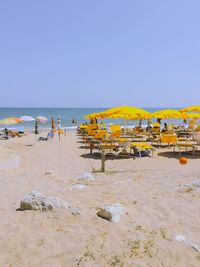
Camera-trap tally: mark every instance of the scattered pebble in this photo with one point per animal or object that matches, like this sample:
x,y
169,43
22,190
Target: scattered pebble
x,y
190,186
78,186
48,173
87,177
111,212
181,238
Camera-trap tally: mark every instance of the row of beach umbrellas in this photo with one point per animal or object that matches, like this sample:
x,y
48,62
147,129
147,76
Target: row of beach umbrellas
x,y
122,112
14,120
134,113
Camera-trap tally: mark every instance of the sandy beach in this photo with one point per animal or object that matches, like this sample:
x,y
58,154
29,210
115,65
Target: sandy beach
x,y
157,207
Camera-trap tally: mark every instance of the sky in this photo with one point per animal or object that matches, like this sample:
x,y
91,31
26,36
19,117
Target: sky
x,y
87,53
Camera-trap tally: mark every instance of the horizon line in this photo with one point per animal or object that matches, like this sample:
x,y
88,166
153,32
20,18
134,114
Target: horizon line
x,y
163,107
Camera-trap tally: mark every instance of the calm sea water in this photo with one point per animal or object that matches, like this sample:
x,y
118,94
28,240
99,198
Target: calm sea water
x,y
66,115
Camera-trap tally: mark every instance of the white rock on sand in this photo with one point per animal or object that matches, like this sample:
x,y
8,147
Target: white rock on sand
x,y
189,186
145,236
111,212
35,201
181,238
86,177
196,183
78,186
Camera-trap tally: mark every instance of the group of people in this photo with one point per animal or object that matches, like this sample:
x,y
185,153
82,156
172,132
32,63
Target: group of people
x,y
149,127
92,121
8,133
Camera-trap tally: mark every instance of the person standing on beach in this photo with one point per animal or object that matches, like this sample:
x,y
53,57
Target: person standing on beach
x,y
36,127
74,121
59,125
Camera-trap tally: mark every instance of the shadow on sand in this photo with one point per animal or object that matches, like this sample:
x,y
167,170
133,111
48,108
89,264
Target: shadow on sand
x,y
108,156
176,155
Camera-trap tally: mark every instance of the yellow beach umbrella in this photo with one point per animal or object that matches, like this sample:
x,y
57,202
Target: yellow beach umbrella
x,y
92,116
169,114
193,112
191,109
193,115
122,112
9,121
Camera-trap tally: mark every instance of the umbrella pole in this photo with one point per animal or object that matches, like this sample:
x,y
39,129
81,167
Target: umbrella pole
x,y
59,128
102,161
125,135
36,129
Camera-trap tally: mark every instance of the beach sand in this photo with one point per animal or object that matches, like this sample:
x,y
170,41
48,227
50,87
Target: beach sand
x,y
157,209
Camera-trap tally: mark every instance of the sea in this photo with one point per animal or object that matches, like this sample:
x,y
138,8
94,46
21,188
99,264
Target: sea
x,y
70,118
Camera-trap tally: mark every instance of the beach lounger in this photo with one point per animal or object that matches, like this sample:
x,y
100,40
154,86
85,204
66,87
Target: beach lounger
x,y
168,139
115,135
156,129
109,148
104,145
100,134
41,138
115,128
186,146
115,131
142,148
50,135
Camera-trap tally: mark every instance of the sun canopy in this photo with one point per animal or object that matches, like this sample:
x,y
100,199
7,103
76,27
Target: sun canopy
x,y
41,119
191,109
169,114
27,118
193,115
10,121
122,112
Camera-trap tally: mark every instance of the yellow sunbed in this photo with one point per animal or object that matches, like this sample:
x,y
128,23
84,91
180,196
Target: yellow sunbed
x,y
141,146
186,146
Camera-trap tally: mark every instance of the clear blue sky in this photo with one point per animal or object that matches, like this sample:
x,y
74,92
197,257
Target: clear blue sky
x,y
90,53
